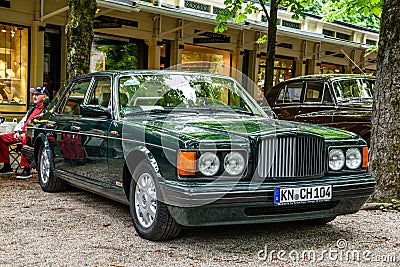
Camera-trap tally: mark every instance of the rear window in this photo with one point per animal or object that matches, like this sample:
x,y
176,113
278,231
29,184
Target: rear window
x,y
290,93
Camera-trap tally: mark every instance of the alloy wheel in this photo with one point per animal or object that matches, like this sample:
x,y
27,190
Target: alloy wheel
x,y
44,166
145,200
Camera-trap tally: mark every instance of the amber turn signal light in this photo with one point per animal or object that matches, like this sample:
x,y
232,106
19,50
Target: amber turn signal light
x,y
186,163
364,157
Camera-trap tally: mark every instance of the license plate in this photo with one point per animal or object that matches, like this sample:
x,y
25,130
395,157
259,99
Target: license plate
x,y
294,195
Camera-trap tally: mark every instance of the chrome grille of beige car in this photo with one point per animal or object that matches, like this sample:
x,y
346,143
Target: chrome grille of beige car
x,y
297,156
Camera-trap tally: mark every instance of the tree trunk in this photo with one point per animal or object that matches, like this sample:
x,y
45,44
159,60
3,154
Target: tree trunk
x,y
385,136
79,32
271,42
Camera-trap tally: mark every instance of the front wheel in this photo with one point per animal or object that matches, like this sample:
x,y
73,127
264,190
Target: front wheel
x,y
151,217
47,180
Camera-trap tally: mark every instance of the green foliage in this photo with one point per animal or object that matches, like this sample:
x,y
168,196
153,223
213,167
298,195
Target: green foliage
x,y
120,57
364,13
238,10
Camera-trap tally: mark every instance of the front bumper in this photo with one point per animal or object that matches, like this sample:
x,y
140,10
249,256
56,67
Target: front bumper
x,y
214,204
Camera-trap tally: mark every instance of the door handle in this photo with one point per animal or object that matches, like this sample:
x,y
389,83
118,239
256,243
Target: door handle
x,y
75,128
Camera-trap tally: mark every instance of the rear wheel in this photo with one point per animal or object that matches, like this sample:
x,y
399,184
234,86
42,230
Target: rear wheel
x,y
47,180
151,217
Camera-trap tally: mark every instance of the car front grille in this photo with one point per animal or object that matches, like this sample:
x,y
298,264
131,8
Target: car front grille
x,y
284,157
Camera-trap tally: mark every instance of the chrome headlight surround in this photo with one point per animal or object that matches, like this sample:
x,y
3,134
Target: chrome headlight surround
x,y
336,159
208,163
350,158
234,163
353,158
211,164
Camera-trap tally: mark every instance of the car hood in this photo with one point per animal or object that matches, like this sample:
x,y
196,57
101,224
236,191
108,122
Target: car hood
x,y
362,105
221,128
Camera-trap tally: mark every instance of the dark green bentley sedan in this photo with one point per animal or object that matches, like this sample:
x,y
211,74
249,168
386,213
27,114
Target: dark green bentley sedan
x,y
194,149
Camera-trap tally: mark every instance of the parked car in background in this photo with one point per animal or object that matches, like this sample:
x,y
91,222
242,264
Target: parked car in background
x,y
194,149
342,101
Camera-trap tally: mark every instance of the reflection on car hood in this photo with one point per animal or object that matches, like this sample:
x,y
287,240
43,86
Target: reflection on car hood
x,y
230,128
356,104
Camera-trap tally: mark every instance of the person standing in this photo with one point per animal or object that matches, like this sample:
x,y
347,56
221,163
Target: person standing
x,y
40,95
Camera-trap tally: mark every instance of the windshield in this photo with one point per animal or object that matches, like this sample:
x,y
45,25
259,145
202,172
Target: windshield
x,y
350,89
183,92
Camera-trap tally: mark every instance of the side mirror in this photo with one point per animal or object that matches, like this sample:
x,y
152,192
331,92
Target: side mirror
x,y
95,111
2,119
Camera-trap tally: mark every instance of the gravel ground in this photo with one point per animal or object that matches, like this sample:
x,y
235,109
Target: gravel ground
x,y
77,228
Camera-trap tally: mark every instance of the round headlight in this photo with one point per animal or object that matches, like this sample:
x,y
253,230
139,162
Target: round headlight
x,y
234,163
353,158
209,164
336,159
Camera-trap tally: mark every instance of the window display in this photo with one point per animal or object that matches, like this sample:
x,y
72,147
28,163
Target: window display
x,y
199,58
13,68
284,68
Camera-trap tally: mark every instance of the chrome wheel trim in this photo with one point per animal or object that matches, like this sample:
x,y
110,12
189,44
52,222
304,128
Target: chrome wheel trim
x,y
44,166
145,200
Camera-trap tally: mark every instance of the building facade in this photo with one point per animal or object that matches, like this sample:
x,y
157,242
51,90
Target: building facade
x,y
163,34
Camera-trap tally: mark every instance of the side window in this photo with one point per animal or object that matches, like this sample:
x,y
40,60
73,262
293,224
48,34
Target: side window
x,y
290,93
101,94
74,98
314,92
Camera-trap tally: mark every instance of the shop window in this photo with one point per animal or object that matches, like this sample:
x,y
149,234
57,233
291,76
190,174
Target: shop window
x,y
284,68
328,68
198,58
165,55
115,53
13,68
52,58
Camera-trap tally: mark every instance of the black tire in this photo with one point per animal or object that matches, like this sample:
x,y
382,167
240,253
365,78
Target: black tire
x,y
47,180
151,217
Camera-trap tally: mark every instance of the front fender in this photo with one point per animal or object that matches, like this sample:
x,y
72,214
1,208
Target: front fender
x,y
41,139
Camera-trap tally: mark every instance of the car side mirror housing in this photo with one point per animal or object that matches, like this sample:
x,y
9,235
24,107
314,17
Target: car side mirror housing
x,y
95,111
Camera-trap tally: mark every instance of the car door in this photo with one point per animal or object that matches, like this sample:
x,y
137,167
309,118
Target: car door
x,y
286,105
317,105
91,129
59,125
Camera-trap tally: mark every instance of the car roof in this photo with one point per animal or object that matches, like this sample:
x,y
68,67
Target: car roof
x,y
330,77
151,72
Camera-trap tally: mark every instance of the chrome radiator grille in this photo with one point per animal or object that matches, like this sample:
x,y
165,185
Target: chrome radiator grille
x,y
291,157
